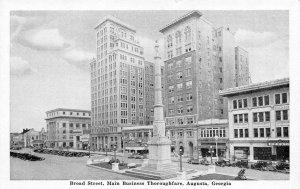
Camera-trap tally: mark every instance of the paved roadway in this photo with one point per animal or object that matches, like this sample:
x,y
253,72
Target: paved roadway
x,y
75,168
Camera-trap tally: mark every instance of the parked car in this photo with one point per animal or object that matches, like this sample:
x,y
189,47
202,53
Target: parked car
x,y
138,156
131,156
193,161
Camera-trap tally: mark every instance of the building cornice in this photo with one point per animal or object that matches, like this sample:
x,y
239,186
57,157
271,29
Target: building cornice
x,y
181,19
116,21
255,87
68,109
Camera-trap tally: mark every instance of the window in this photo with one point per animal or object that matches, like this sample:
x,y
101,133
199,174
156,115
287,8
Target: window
x,y
278,131
246,118
188,60
278,115
284,97
236,134
187,33
189,84
262,132
268,132
235,118
254,102
246,133
285,132
179,86
255,131
169,41
180,110
240,103
266,100
180,121
171,100
240,118
254,117
241,133
190,120
188,72
189,96
178,38
180,98
261,116
234,104
260,101
189,109
179,63
171,88
277,98
179,75
285,115
171,112
245,103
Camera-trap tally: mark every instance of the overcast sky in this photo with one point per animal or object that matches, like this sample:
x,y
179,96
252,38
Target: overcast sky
x,y
51,50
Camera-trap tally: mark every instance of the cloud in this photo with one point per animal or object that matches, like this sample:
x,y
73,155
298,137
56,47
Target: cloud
x,y
44,39
19,67
249,38
76,55
78,58
18,24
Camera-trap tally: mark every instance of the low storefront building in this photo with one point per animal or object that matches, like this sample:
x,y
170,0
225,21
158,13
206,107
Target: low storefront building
x,y
258,117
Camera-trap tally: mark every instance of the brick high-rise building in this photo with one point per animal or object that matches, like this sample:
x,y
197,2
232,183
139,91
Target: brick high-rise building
x,y
199,61
117,83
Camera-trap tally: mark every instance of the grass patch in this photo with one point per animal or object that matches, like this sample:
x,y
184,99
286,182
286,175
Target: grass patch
x,y
214,177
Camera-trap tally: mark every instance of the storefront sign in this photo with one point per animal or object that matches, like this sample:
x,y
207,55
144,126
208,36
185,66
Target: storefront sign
x,y
279,143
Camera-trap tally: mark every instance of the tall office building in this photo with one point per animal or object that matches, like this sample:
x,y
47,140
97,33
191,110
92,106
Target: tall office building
x,y
199,61
117,83
242,76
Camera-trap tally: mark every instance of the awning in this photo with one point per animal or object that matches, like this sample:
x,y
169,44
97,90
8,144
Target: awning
x,y
213,147
135,148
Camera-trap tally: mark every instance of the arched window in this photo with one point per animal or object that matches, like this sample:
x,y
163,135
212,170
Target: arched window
x,y
187,33
169,41
178,37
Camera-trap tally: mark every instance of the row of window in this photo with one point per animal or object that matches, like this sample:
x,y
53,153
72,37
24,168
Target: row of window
x,y
260,101
189,109
180,98
261,132
188,84
180,120
281,115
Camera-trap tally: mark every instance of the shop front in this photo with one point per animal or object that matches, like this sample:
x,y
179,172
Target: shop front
x,y
209,149
281,149
241,152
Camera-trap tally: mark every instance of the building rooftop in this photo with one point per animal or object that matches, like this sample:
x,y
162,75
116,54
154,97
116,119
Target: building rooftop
x,y
181,19
255,87
117,21
68,109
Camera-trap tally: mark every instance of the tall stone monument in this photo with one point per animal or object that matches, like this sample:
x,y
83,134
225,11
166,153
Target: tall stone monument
x,y
159,164
159,146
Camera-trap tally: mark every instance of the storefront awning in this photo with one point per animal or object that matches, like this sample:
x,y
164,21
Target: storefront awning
x,y
135,148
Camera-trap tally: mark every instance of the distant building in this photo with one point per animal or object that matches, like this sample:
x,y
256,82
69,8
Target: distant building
x,y
63,124
242,76
135,138
259,125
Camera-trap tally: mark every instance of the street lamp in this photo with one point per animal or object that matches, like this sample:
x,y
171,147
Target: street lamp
x,y
115,149
180,155
89,151
105,149
216,138
211,151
